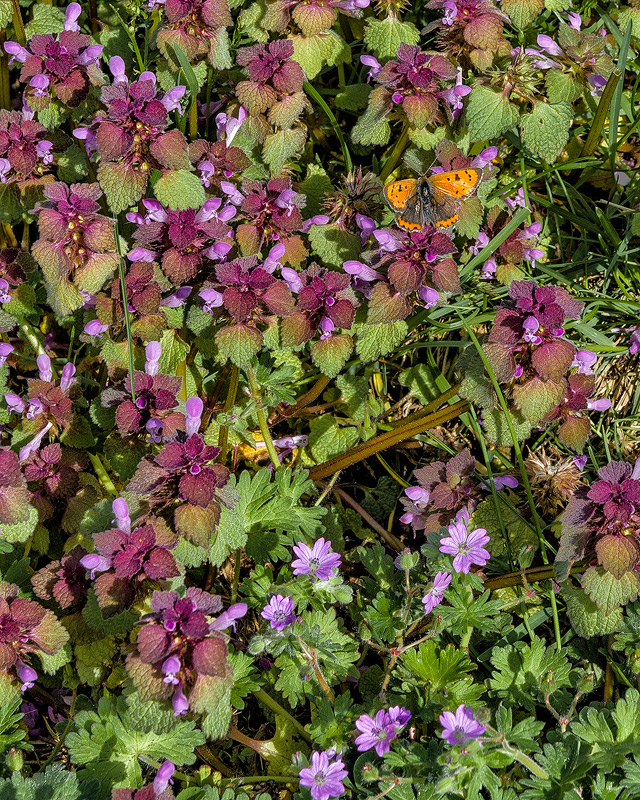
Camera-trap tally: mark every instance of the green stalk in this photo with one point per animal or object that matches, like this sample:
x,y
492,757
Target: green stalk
x,y
262,421
275,706
223,433
593,139
309,89
525,477
413,425
396,153
526,761
18,25
103,475
125,303
5,80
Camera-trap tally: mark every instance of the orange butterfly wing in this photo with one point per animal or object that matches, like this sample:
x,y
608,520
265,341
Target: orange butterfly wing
x,y
398,192
457,183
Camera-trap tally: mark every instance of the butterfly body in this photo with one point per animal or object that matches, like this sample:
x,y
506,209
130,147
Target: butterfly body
x,y
419,202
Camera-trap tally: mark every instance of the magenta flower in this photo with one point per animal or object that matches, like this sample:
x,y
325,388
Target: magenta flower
x,y
280,611
318,561
460,727
194,25
323,778
435,595
163,777
376,733
465,546
273,74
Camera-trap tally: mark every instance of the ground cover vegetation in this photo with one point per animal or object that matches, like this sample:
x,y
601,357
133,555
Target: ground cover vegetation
x,y
320,456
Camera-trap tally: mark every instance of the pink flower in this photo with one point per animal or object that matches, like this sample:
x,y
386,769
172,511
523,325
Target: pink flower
x,y
460,727
465,546
318,561
435,595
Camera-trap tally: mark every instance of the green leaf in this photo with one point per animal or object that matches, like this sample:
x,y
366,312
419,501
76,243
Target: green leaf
x,y
117,624
20,531
327,438
609,592
246,678
613,735
522,12
586,618
489,114
239,343
323,49
334,245
179,189
79,433
108,743
6,13
10,716
373,341
354,97
384,36
174,351
520,668
123,185
497,430
315,187
124,454
220,49
10,208
282,146
228,536
562,87
45,19
521,535
631,15
545,131
331,354
55,783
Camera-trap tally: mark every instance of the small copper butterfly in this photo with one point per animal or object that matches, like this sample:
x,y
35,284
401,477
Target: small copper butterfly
x,y
431,201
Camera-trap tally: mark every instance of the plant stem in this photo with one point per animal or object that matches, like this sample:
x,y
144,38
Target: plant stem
x,y
525,760
388,537
411,426
525,478
316,390
327,489
193,120
5,80
262,421
65,732
103,475
247,779
275,706
309,89
395,155
236,574
125,304
210,758
18,25
223,433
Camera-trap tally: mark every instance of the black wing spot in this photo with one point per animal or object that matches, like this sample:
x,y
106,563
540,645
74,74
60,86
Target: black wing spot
x,y
457,177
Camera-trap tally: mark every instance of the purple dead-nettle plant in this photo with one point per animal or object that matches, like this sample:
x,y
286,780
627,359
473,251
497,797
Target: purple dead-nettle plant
x,y
583,56
527,346
571,412
270,214
156,401
471,31
325,303
220,160
443,489
25,150
417,83
420,270
53,474
196,27
76,248
63,66
64,580
183,476
181,240
275,82
182,650
26,628
130,136
127,556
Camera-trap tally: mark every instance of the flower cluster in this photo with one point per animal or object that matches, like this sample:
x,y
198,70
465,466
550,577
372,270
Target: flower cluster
x,y
25,151
183,470
378,732
195,25
181,240
64,65
126,556
26,628
275,82
507,262
602,522
471,31
182,652
76,248
131,138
